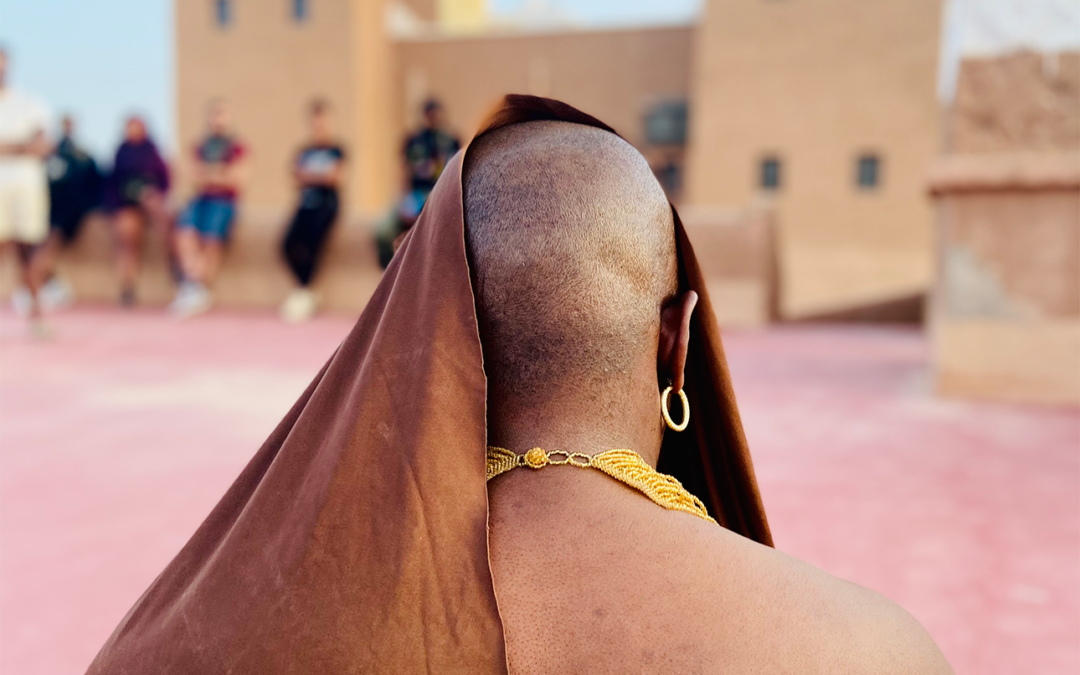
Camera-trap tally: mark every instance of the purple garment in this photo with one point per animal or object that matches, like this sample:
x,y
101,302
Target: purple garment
x,y
137,166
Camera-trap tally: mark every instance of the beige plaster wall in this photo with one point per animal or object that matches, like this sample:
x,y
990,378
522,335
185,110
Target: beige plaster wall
x,y
615,75
737,254
1005,315
818,83
268,67
1006,307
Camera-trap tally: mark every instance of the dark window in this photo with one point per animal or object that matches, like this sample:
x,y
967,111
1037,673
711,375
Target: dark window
x,y
770,173
223,12
300,10
665,123
868,172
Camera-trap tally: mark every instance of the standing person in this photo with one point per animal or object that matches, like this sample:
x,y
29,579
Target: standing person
x,y
75,189
205,225
318,172
24,200
134,197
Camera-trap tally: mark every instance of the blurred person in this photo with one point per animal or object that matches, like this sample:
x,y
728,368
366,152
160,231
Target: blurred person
x,y
204,227
548,298
24,199
425,154
75,190
135,197
318,172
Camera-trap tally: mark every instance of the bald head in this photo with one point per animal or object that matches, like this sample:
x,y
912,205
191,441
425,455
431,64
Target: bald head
x,y
572,248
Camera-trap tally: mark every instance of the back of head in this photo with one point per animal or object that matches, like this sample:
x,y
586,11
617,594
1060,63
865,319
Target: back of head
x,y
572,248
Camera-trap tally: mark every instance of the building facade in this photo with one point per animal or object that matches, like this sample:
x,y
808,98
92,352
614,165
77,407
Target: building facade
x,y
795,135
825,110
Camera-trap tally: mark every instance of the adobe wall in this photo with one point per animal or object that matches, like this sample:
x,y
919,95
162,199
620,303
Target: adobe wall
x,y
736,250
268,67
1006,318
614,75
1023,101
818,83
1006,303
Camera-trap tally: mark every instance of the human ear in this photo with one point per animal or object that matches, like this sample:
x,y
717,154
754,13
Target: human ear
x,y
674,343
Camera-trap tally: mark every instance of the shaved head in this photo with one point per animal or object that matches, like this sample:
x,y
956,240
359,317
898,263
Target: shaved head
x,y
572,249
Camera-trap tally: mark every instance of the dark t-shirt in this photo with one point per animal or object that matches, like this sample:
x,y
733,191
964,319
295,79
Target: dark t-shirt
x,y
75,184
219,149
321,159
426,154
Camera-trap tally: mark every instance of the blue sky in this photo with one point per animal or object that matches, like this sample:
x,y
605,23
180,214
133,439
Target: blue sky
x,y
99,59
104,59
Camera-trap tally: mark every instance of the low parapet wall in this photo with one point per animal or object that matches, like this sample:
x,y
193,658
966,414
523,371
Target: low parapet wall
x,y
254,273
737,253
1005,313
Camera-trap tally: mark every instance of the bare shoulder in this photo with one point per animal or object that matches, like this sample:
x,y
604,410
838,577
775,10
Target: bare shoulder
x,y
840,627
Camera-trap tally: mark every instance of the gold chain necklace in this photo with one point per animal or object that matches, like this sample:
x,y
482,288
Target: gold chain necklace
x,y
625,466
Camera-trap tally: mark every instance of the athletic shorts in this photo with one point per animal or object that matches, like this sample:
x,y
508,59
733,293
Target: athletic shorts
x,y
24,211
211,217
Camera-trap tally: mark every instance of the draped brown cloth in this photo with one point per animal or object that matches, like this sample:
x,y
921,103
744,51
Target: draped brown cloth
x,y
355,541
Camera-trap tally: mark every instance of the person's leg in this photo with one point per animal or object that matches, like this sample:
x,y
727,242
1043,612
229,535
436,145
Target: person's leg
x,y
55,292
192,297
128,225
21,299
28,274
322,222
306,239
303,246
189,249
216,230
197,253
33,229
213,254
293,248
49,254
160,216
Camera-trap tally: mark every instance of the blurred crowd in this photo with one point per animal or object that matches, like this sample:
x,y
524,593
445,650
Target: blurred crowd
x,y
50,187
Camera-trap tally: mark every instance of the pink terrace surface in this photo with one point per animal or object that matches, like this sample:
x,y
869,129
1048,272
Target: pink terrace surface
x,y
119,436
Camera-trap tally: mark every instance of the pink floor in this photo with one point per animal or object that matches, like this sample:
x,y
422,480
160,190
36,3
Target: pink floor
x,y
118,437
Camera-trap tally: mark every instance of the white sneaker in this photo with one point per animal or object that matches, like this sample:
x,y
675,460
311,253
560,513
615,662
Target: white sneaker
x,y
56,294
21,301
299,306
180,301
191,299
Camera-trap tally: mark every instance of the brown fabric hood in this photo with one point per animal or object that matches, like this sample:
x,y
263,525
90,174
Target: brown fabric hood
x,y
355,541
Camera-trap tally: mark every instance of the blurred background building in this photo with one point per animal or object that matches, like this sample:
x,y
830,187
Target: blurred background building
x,y
913,161
1006,185
835,159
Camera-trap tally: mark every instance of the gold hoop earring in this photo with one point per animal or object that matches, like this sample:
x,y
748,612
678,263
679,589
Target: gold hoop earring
x,y
665,398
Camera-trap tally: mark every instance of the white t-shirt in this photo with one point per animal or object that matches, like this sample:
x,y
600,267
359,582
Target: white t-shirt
x,y
21,116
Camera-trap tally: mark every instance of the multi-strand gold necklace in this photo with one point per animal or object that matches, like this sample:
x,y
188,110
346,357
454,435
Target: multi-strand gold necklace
x,y
625,466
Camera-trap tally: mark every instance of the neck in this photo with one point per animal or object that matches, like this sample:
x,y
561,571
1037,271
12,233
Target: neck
x,y
588,424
